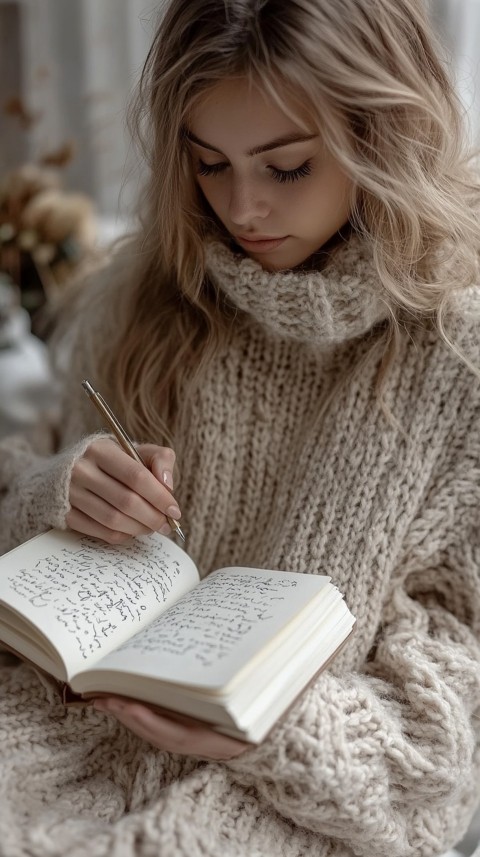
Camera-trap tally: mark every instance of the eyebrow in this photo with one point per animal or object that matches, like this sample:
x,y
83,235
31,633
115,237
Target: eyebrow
x,y
284,140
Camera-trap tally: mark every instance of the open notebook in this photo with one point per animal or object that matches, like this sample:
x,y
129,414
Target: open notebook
x,y
233,650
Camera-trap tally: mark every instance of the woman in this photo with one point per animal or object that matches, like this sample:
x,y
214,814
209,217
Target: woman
x,y
297,310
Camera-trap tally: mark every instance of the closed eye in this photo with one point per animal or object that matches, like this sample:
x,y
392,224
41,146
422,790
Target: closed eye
x,y
210,169
281,176
300,172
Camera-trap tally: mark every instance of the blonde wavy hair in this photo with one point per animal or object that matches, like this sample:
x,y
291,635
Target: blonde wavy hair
x,y
370,76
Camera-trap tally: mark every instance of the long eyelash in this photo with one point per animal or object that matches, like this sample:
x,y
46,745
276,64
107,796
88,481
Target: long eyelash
x,y
209,169
283,176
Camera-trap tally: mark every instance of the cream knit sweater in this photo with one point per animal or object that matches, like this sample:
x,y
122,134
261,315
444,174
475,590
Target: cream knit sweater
x,y
381,756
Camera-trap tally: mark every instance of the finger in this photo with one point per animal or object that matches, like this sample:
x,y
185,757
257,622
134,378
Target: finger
x,y
83,524
106,514
169,734
87,476
156,736
111,459
160,460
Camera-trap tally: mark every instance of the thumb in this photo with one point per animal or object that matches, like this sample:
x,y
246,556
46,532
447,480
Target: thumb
x,y
160,460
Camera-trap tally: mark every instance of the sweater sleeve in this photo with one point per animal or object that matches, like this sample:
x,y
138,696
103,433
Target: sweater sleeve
x,y
386,760
34,487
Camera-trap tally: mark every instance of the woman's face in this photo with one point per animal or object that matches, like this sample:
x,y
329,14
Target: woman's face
x,y
276,189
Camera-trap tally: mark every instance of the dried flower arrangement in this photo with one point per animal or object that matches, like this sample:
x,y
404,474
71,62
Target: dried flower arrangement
x,y
46,233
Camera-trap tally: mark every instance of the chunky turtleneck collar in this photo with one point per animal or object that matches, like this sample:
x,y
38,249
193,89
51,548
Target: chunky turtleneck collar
x,y
321,308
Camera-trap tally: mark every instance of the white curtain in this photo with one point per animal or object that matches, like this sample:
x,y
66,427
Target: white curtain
x,y
79,61
458,23
81,58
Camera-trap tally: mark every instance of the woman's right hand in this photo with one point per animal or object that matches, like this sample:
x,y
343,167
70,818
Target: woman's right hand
x,y
113,497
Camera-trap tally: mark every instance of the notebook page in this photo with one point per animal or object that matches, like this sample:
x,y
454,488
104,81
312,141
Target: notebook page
x,y
88,597
215,629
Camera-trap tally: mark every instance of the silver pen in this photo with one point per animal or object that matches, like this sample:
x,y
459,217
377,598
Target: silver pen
x,y
123,438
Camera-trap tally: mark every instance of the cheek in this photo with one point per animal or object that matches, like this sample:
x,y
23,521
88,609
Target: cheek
x,y
327,202
213,193
338,189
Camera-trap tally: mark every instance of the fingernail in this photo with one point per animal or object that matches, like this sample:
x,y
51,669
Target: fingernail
x,y
174,512
165,530
168,479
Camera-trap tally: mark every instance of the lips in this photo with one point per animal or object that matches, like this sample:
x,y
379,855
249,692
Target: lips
x,y
256,237
260,244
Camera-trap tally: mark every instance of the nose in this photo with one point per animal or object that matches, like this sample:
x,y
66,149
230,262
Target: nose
x,y
248,201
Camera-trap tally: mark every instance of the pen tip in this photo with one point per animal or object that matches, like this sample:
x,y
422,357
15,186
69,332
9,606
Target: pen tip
x,y
180,531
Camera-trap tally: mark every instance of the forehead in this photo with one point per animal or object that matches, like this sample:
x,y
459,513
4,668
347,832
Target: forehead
x,y
239,115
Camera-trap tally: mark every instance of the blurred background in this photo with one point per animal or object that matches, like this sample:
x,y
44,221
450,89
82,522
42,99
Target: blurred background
x,y
68,67
69,175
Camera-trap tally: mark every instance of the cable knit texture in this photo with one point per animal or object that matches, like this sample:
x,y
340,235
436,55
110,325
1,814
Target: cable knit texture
x,y
287,461
306,306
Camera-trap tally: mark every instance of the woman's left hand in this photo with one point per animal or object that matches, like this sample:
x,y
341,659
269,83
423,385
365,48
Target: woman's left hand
x,y
189,739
